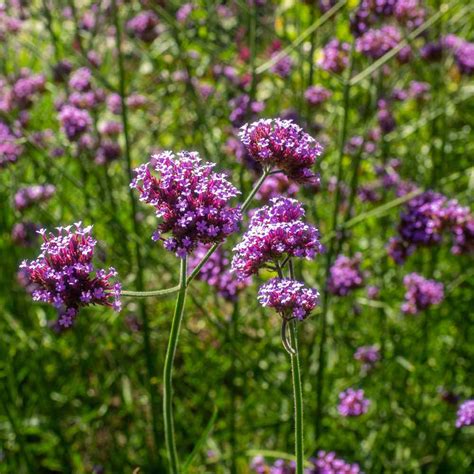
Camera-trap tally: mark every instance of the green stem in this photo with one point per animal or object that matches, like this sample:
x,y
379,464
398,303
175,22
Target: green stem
x,y
148,294
168,372
298,399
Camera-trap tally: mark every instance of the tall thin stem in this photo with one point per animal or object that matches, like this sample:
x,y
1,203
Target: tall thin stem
x,y
298,399
168,371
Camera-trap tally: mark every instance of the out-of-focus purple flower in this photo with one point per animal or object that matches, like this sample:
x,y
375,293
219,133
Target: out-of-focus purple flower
x,y
94,58
65,276
373,292
75,122
421,293
316,95
184,11
290,298
25,234
328,463
368,193
465,414
335,56
144,26
216,273
418,90
111,128
464,56
26,197
10,149
325,5
385,117
242,106
460,221
276,185
61,70
136,101
26,86
448,396
114,103
399,250
345,275
409,13
432,51
236,148
284,145
83,100
376,42
283,66
107,152
275,231
9,25
353,403
368,355
80,80
190,198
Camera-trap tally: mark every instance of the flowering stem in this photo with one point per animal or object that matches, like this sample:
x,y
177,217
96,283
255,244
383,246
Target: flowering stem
x,y
298,398
168,371
254,191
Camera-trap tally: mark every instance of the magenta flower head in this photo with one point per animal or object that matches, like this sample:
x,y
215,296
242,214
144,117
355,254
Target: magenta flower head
x,y
65,276
277,143
328,463
144,26
465,414
421,293
345,275
375,43
290,298
30,195
335,56
190,199
75,122
368,355
275,231
353,403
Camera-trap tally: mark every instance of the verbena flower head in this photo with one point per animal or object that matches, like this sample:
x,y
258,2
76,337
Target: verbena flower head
x,y
421,293
80,80
316,95
335,56
190,199
368,355
276,185
64,275
290,298
26,197
464,56
275,231
328,463
353,403
375,43
75,122
144,26
345,275
284,145
216,273
10,149
465,414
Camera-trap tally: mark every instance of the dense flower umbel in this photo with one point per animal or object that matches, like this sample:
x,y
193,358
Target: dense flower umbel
x,y
352,403
290,298
465,415
275,231
284,145
65,276
216,272
345,275
190,198
328,463
421,293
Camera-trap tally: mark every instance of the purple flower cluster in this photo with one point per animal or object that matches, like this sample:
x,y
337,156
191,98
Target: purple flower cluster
x,y
25,234
463,52
465,414
10,150
284,145
144,26
75,122
216,273
335,56
324,463
345,275
190,198
385,117
422,224
316,95
242,106
421,293
283,66
276,185
353,403
26,197
368,355
374,43
64,274
80,80
275,231
290,298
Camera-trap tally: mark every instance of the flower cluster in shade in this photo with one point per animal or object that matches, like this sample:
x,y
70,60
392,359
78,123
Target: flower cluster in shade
x,y
421,293
216,273
353,403
324,463
30,195
277,143
64,275
290,298
425,220
345,275
335,56
368,355
465,414
191,200
144,26
275,232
